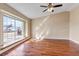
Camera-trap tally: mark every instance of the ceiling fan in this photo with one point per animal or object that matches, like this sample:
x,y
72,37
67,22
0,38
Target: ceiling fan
x,y
51,7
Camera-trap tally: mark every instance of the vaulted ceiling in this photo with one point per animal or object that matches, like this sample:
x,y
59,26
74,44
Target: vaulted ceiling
x,y
33,10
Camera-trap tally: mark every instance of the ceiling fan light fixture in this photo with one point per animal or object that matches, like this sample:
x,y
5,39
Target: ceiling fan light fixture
x,y
50,9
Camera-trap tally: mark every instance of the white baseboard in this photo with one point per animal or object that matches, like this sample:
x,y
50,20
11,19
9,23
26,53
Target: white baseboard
x,y
53,38
75,41
58,38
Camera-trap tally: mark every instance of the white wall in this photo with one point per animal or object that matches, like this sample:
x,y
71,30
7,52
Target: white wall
x,y
74,25
51,27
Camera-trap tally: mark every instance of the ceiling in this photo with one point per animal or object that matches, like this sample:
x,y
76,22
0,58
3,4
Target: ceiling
x,y
33,10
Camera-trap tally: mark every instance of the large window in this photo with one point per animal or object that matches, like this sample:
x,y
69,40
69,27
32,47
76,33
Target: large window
x,y
13,29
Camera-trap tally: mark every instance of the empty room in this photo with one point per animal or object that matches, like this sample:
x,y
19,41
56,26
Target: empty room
x,y
39,29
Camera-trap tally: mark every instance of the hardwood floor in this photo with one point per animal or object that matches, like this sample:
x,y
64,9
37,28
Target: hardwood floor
x,y
46,47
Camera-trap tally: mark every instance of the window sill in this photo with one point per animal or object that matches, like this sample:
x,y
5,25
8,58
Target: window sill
x,y
7,44
10,46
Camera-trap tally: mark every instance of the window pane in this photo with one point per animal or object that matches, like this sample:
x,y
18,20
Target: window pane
x,y
13,29
19,29
8,29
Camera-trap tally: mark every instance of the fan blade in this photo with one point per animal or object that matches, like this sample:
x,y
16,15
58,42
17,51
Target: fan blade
x,y
43,6
45,10
52,10
58,5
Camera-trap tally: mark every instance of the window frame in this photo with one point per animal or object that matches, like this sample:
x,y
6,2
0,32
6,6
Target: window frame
x,y
15,18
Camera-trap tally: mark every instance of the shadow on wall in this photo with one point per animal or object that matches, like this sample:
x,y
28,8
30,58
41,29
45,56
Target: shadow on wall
x,y
41,35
